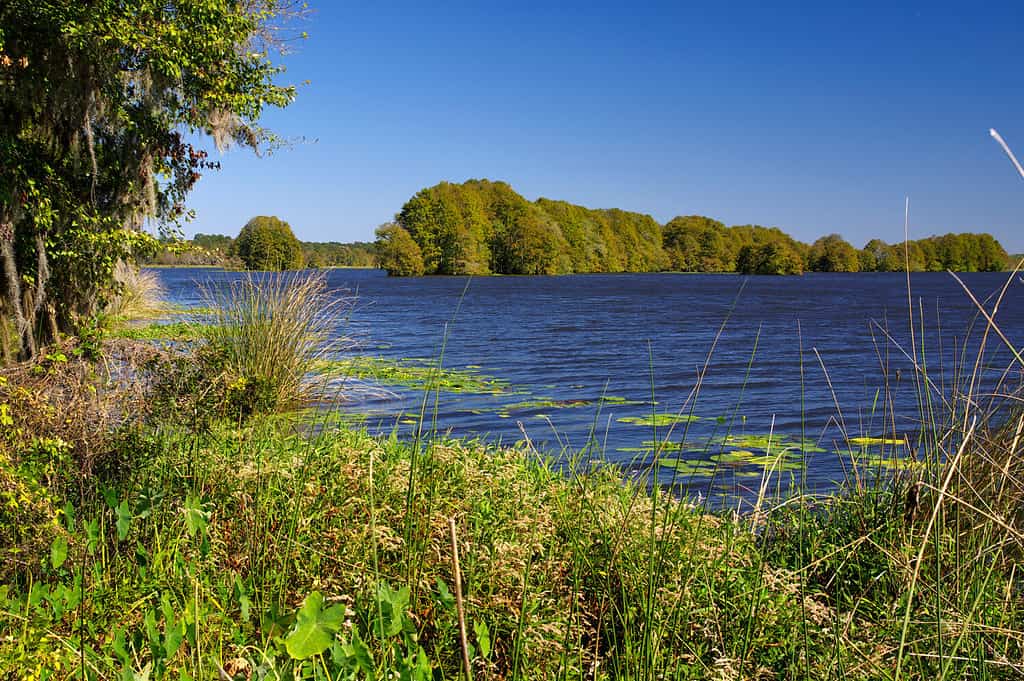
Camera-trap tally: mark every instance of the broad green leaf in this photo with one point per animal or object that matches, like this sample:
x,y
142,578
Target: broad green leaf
x,y
314,628
124,520
92,536
196,517
359,652
391,605
58,551
445,597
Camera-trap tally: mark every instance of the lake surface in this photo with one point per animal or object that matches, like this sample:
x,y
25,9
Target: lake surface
x,y
734,359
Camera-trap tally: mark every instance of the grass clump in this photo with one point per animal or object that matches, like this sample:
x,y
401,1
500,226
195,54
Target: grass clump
x,y
138,293
268,331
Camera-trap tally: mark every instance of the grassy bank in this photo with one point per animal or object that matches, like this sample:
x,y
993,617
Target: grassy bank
x,y
154,523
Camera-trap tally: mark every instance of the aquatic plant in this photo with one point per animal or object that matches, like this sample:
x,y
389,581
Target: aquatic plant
x,y
411,373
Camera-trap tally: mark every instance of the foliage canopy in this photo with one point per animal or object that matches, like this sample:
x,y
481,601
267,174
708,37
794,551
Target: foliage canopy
x,y
95,102
484,227
267,243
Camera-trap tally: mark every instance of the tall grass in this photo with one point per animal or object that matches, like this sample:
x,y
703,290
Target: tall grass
x,y
270,330
138,292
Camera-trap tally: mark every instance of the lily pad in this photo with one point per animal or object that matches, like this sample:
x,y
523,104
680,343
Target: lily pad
x,y
890,462
546,402
745,458
413,373
773,442
658,419
690,467
875,441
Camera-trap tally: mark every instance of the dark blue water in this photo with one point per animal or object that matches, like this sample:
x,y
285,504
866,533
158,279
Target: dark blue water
x,y
820,355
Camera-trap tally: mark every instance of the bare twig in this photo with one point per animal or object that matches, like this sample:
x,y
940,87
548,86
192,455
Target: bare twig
x,y
457,576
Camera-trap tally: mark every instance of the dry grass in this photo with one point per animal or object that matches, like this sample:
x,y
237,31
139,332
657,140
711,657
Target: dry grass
x,y
138,293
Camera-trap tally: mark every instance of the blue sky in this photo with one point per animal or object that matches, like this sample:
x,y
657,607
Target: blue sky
x,y
812,118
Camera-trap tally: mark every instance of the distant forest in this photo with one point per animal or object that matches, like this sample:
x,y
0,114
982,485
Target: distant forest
x,y
484,227
220,251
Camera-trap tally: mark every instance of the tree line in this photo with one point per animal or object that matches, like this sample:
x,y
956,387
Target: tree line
x,y
485,227
265,243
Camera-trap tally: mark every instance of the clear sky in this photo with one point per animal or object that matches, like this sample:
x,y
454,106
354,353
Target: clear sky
x,y
813,117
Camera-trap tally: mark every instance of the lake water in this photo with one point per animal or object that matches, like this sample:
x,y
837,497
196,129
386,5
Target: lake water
x,y
748,357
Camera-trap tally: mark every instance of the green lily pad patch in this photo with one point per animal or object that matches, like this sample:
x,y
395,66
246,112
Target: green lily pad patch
x,y
414,374
890,462
545,403
742,458
774,442
875,441
658,419
689,467
618,400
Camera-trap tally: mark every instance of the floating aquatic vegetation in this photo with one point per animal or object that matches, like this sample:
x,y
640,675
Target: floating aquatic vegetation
x,y
875,441
742,458
690,467
891,461
545,402
618,400
658,419
413,373
774,442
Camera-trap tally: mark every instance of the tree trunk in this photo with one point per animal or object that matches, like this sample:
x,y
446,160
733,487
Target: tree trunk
x,y
45,333
26,333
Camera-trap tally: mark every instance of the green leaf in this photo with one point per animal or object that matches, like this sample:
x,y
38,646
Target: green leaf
x,y
124,520
174,632
445,597
196,517
359,652
119,647
314,628
58,551
391,605
483,638
92,536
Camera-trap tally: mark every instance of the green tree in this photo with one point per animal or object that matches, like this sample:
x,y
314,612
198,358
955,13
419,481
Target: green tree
x,y
694,243
397,252
95,102
878,256
833,253
771,257
267,243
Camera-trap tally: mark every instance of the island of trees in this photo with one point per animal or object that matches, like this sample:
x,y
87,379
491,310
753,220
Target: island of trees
x,y
485,227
